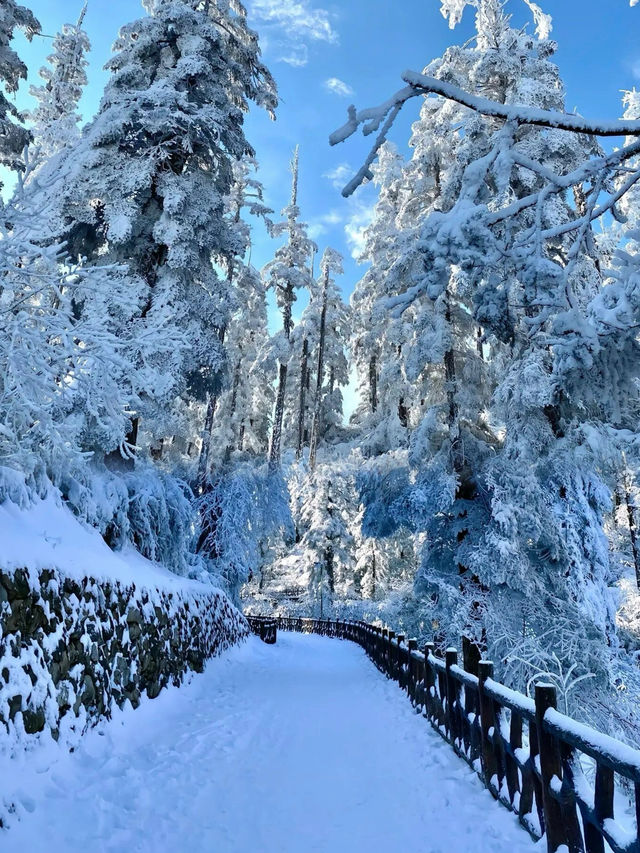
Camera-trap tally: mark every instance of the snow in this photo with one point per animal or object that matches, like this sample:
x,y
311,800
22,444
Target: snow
x,y
47,535
597,743
301,745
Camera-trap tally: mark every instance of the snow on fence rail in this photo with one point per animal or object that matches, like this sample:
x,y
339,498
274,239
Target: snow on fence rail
x,y
528,754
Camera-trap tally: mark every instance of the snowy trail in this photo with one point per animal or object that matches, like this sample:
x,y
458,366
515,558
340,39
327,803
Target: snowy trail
x,y
302,747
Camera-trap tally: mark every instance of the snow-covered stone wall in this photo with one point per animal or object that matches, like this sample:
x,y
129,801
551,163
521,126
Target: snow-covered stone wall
x,y
73,648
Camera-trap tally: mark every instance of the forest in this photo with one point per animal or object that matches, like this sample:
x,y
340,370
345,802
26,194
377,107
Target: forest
x,y
178,399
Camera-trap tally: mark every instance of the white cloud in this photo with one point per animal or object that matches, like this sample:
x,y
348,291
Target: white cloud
x,y
358,222
298,55
338,87
296,22
340,175
321,225
358,211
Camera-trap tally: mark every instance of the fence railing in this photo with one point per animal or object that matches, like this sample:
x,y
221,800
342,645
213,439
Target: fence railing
x,y
557,775
265,628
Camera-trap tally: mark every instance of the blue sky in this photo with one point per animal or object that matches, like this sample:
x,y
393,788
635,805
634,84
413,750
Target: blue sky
x,y
365,44
362,46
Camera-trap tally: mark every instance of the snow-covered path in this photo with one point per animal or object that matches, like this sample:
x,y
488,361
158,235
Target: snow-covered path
x,y
302,747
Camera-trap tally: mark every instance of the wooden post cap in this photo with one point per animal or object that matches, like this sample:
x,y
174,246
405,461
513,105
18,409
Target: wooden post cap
x,y
485,669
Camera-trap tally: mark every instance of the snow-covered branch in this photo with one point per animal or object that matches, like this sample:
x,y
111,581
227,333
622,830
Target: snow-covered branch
x,y
421,84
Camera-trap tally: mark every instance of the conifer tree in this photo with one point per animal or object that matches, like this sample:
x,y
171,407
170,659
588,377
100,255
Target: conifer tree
x,y
55,120
147,188
378,341
246,307
333,334
287,273
508,512
13,135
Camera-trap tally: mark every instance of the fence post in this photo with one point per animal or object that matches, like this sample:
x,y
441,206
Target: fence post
x,y
470,660
412,672
391,656
453,695
429,681
550,767
487,727
399,661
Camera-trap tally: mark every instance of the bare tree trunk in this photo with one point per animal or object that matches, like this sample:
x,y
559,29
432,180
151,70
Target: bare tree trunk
x,y
276,433
315,424
373,572
301,402
232,408
373,382
289,296
633,530
403,413
453,412
203,461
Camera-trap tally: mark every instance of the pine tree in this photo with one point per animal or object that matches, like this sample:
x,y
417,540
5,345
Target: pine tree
x,y
333,335
246,306
243,416
509,512
326,548
55,120
378,342
13,135
147,188
287,273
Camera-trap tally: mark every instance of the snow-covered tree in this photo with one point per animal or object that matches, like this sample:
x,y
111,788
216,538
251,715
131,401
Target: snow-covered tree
x,y
54,122
507,484
244,508
64,382
13,135
147,188
243,417
287,273
326,548
331,369
247,328
377,343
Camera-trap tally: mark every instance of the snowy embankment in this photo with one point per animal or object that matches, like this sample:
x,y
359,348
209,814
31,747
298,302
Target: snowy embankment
x,y
278,749
86,630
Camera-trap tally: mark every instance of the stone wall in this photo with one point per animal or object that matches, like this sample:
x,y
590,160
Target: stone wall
x,y
72,650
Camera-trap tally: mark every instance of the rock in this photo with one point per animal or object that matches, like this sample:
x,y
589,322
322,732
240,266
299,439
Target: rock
x,y
33,720
98,646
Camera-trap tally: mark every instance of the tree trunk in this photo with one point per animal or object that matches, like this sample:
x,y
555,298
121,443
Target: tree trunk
x,y
451,386
328,555
234,403
276,433
373,572
203,461
315,424
373,382
403,413
304,369
633,530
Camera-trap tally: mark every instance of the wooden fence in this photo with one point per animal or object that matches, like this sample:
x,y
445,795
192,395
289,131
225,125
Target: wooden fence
x,y
265,628
530,756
